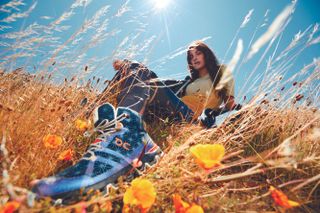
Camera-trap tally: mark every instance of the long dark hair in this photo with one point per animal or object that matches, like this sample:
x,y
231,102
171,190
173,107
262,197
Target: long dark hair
x,y
211,61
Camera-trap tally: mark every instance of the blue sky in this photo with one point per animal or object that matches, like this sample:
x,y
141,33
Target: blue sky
x,y
97,31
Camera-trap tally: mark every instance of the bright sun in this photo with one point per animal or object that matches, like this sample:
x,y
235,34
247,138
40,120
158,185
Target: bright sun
x,y
161,4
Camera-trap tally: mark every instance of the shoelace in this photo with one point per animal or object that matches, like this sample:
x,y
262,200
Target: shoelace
x,y
106,127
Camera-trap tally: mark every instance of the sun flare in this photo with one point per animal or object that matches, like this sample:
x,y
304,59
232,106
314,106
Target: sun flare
x,y
161,4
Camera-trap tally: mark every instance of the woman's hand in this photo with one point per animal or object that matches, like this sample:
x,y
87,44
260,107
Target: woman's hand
x,y
208,117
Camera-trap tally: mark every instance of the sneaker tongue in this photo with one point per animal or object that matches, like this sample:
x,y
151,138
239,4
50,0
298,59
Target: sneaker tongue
x,y
102,112
133,120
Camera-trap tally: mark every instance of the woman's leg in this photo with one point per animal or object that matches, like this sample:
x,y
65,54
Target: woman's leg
x,y
165,104
139,92
135,89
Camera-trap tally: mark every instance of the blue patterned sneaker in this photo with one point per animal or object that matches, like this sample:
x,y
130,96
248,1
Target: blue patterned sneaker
x,y
122,148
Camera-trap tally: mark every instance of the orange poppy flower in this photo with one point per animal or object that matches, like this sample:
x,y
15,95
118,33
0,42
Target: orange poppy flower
x,y
52,141
281,199
141,194
195,209
10,207
208,156
179,205
81,125
184,207
66,155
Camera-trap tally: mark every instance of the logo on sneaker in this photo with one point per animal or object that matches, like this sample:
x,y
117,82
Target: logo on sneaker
x,y
122,144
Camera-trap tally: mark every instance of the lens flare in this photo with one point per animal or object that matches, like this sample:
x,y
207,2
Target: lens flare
x,y
161,4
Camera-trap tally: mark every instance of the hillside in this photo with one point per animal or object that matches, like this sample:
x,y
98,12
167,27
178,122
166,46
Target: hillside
x,y
267,144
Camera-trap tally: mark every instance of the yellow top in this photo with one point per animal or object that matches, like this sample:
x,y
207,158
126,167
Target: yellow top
x,y
200,94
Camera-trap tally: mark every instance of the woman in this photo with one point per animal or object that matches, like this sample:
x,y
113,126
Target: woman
x,y
122,145
210,81
209,86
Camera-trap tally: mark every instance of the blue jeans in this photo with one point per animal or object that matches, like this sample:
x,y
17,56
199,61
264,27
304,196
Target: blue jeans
x,y
147,96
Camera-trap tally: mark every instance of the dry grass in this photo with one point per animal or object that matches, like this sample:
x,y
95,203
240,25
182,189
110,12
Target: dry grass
x,y
273,140
252,166
266,145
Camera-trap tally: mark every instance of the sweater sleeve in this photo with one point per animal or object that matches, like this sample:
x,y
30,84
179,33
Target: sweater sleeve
x,y
178,87
226,82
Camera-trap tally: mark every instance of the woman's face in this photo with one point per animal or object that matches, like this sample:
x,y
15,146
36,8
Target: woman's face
x,y
197,59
